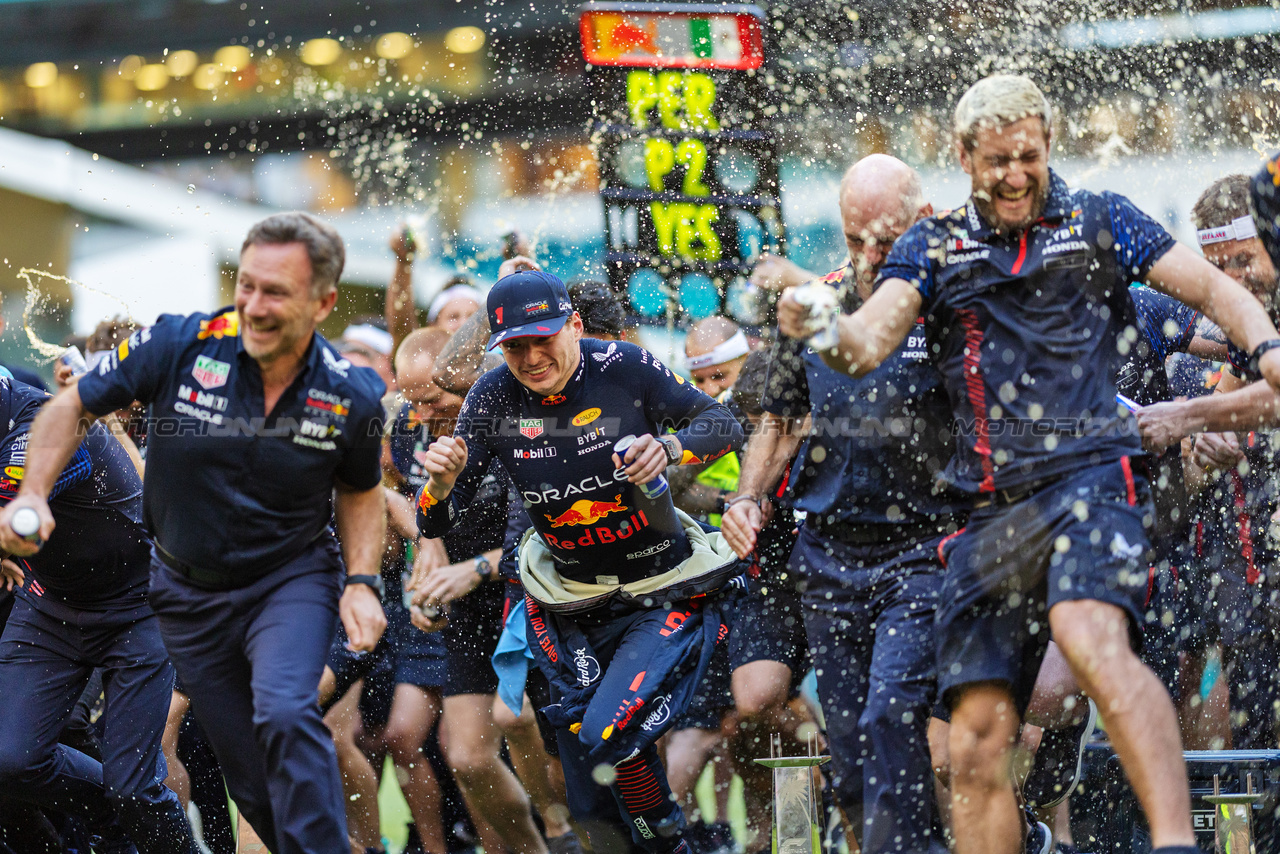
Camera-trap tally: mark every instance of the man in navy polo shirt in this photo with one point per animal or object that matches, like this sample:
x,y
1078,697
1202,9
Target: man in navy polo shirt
x,y
260,435
82,604
1024,292
868,546
617,582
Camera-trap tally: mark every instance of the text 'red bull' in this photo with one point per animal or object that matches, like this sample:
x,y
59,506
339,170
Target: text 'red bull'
x,y
601,534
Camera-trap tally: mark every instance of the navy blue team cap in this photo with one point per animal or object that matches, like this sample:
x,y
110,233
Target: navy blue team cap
x,y
528,304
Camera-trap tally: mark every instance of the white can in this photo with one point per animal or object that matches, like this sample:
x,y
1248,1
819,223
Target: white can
x,y
823,303
26,524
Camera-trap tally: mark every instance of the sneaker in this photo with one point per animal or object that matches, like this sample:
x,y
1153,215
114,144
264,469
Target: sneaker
x,y
1039,837
569,843
1055,770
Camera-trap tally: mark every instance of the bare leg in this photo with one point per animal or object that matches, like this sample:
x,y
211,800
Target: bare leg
x,y
687,752
359,783
178,780
1061,823
413,713
471,742
1057,700
1205,722
984,812
534,766
760,690
1094,637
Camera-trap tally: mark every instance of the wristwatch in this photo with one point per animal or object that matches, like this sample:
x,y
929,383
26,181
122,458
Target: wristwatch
x,y
669,445
483,568
1258,352
374,581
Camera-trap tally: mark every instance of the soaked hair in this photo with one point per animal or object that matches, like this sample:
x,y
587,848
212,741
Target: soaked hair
x,y
599,307
999,100
1224,200
749,388
108,334
424,342
324,245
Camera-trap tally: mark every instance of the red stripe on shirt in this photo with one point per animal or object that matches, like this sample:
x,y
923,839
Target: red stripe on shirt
x,y
977,395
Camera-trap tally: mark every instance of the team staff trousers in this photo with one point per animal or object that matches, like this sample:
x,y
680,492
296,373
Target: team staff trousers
x,y
45,663
868,612
251,659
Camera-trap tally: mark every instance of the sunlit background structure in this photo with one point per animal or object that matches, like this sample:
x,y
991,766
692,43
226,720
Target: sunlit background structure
x,y
139,137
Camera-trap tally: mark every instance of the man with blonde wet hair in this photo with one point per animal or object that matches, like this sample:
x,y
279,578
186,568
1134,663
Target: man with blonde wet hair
x,y
1024,293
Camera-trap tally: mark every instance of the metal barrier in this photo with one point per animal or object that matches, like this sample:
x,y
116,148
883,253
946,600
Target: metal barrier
x,y
1234,794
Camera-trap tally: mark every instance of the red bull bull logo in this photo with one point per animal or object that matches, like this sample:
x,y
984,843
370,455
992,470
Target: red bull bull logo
x,y
586,512
690,458
341,408
223,325
554,400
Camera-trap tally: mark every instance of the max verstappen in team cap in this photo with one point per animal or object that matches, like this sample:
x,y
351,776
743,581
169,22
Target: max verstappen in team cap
x,y
616,579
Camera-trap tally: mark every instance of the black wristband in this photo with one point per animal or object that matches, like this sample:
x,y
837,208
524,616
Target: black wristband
x,y
1258,352
374,581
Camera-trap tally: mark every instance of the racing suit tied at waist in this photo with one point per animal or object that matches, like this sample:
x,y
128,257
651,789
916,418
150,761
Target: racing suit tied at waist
x,y
710,566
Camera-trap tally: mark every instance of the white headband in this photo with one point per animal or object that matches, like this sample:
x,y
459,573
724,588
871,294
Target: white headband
x,y
723,352
378,340
1240,228
447,296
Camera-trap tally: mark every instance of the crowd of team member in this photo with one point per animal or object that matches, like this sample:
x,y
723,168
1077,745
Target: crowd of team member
x,y
1006,475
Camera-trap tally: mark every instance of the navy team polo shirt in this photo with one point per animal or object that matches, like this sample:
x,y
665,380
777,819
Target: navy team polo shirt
x,y
1027,331
231,489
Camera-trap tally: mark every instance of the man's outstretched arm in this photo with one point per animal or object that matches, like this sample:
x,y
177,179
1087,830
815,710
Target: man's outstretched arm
x,y
1234,406
869,335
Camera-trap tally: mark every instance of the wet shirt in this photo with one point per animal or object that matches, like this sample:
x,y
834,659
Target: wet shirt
x,y
558,450
1025,329
230,489
879,443
482,525
98,557
1164,326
